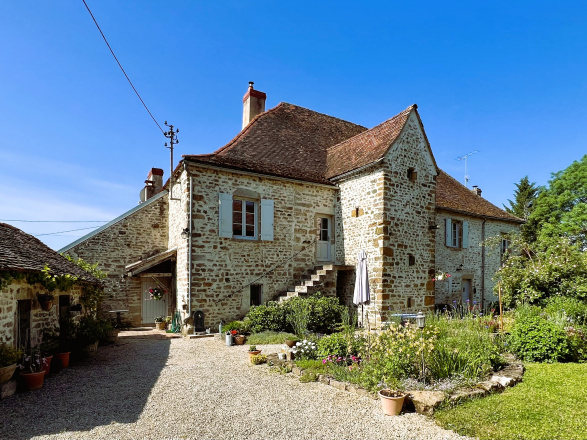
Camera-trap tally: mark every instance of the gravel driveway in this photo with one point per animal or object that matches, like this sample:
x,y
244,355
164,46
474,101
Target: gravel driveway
x,y
195,389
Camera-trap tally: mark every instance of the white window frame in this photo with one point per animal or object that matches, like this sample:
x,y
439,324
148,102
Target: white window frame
x,y
264,214
243,202
457,233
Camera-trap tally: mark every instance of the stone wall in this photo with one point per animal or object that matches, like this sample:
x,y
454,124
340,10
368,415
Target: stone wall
x,y
40,319
449,259
221,266
137,236
388,214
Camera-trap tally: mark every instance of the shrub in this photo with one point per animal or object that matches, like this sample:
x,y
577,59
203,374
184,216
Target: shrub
x,y
270,316
535,339
325,312
339,344
9,355
573,308
234,325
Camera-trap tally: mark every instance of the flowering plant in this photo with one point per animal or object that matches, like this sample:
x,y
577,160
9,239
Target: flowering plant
x,y
233,332
156,293
305,350
351,361
439,275
32,362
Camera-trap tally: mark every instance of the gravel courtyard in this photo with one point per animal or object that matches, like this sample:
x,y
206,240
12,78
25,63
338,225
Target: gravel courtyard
x,y
195,389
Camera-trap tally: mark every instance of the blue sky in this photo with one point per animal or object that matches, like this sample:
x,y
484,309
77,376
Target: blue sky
x,y
504,78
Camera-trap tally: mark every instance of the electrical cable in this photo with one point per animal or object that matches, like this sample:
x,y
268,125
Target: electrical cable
x,y
71,230
121,68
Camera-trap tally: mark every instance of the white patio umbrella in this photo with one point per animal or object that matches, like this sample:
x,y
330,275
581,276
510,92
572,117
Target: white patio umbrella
x,y
362,295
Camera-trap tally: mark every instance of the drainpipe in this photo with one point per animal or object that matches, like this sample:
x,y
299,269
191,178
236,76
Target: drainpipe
x,y
483,262
190,253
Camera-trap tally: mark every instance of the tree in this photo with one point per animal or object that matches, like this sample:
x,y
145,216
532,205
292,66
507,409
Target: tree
x,y
524,197
561,208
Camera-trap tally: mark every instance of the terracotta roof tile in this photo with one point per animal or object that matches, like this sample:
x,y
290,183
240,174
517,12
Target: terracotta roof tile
x,y
23,252
454,196
287,141
366,147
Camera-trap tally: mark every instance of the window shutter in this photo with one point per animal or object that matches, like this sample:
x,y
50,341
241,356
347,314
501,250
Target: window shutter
x,y
465,235
225,215
267,220
448,232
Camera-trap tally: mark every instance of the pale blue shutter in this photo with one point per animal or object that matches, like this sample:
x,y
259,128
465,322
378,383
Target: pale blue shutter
x,y
465,235
267,220
448,232
225,215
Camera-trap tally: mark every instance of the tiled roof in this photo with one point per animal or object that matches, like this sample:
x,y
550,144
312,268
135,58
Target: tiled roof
x,y
366,147
454,196
287,141
23,252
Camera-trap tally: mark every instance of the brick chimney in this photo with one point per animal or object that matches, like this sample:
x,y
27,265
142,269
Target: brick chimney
x,y
476,190
153,184
253,104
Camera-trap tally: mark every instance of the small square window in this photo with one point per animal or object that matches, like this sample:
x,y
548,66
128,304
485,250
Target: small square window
x,y
412,175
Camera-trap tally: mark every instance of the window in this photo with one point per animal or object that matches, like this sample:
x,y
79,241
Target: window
x,y
503,249
457,233
255,293
411,260
245,218
412,175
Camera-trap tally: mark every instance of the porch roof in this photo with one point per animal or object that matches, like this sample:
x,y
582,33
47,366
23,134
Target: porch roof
x,y
140,266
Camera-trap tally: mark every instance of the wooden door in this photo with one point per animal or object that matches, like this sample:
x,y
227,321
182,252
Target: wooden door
x,y
467,292
323,245
151,307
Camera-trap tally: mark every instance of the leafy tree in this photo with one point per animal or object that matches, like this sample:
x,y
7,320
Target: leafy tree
x,y
532,273
524,197
561,208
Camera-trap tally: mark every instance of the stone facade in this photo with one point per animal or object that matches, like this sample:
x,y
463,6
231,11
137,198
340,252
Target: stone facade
x,y
39,319
141,234
387,212
223,267
474,264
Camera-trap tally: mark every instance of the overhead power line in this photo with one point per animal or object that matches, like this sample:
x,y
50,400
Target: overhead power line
x,y
121,68
56,221
71,230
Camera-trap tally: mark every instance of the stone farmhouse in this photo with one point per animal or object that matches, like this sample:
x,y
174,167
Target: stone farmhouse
x,y
23,316
284,209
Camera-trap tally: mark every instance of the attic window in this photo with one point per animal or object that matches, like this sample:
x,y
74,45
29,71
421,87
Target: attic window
x,y
412,175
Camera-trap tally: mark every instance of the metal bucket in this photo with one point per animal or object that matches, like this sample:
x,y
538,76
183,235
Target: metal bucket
x,y
228,339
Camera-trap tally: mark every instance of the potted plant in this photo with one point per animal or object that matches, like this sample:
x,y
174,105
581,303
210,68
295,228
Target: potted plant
x,y
253,352
89,333
392,401
45,300
32,370
156,293
49,346
291,341
67,337
160,323
9,356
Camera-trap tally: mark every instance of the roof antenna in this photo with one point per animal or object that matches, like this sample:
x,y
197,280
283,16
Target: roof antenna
x,y
465,159
172,136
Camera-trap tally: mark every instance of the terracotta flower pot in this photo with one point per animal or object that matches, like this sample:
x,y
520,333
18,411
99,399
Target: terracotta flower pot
x,y
290,343
61,361
239,339
253,353
112,336
6,373
160,325
47,364
32,381
391,402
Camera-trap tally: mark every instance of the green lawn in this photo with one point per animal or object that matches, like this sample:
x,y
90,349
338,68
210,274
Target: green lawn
x,y
551,403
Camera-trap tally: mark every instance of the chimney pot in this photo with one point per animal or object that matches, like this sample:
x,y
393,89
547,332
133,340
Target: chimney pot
x,y
253,104
476,190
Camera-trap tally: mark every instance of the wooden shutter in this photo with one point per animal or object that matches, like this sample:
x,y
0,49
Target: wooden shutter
x,y
225,215
448,232
267,220
465,235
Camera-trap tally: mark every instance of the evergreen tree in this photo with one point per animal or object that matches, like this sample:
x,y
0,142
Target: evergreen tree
x,y
524,197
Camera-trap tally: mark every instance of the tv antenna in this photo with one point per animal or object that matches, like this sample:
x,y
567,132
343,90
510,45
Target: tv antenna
x,y
464,157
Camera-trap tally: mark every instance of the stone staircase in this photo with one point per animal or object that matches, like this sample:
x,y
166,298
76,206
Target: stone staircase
x,y
310,283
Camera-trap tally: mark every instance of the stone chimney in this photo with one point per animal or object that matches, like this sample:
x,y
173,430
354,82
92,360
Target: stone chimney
x,y
476,190
253,104
153,184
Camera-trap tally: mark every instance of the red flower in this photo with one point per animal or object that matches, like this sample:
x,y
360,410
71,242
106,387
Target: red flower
x,y
233,332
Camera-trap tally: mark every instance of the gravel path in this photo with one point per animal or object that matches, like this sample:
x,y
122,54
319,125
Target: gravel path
x,y
195,389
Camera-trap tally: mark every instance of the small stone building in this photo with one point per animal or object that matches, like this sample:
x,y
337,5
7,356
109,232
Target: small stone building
x,y
284,209
23,317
